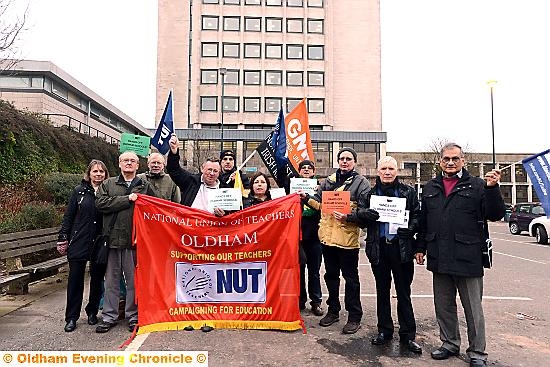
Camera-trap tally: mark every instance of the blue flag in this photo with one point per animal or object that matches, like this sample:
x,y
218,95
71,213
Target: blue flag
x,y
278,141
165,128
538,170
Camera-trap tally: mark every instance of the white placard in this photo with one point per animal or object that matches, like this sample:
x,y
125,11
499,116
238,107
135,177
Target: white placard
x,y
277,193
393,226
226,199
307,185
391,209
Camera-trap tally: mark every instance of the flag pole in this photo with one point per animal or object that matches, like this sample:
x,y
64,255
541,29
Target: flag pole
x,y
242,164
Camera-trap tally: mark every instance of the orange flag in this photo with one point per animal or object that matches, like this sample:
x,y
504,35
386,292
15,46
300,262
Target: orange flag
x,y
298,137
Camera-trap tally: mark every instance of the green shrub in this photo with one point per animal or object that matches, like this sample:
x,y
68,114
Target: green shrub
x,y
35,215
58,186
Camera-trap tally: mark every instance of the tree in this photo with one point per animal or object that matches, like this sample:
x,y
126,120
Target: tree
x,y
11,26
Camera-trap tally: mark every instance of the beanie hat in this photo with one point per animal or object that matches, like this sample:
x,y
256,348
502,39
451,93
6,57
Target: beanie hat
x,y
227,152
307,162
347,149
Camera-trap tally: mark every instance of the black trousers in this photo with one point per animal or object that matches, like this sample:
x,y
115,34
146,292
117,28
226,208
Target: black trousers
x,y
75,289
313,251
390,263
346,261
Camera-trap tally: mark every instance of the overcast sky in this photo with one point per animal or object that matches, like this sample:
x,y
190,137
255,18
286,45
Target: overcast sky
x,y
437,56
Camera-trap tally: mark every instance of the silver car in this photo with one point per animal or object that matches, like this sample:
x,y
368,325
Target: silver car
x,y
539,228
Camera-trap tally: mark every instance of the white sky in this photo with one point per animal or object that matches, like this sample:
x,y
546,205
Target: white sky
x,y
437,56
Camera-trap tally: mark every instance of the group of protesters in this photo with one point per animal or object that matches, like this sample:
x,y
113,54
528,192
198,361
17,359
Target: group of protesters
x,y
446,226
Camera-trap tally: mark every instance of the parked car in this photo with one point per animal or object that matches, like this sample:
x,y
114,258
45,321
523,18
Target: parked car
x,y
522,215
509,208
539,228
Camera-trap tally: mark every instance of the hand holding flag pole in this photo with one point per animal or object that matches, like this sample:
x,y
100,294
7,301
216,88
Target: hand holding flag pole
x,y
165,128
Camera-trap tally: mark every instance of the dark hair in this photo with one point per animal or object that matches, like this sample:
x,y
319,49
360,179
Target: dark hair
x,y
254,177
350,150
91,165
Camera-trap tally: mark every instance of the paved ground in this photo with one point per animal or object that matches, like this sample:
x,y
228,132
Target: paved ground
x,y
517,295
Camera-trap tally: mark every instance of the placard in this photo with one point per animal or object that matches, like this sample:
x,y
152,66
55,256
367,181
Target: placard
x,y
226,199
394,226
338,201
276,193
307,185
136,143
391,209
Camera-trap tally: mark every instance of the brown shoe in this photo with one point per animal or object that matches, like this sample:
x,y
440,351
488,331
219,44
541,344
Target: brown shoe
x,y
351,327
317,310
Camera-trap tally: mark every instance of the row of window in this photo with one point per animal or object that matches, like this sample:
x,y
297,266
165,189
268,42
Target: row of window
x,y
254,51
271,77
254,24
289,3
253,104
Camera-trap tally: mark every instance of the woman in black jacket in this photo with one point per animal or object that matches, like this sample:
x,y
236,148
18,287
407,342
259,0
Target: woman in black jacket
x,y
259,190
81,225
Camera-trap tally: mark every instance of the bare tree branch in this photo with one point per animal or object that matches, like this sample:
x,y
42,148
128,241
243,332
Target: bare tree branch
x,y
10,32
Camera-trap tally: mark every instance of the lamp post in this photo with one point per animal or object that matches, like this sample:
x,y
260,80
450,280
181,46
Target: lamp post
x,y
491,84
223,71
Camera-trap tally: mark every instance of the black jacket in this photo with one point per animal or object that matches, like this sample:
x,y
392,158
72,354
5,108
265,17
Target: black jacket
x,y
452,228
81,223
251,200
406,244
224,176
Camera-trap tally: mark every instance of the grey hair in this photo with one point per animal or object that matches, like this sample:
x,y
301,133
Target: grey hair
x,y
154,154
387,159
449,146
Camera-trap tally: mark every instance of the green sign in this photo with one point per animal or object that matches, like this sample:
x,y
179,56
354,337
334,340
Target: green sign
x,y
136,143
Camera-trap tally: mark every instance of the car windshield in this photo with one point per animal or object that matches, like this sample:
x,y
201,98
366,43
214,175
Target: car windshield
x,y
538,210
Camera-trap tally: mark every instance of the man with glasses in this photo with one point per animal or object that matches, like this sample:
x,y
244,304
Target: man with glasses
x,y
339,235
116,197
455,210
227,175
194,187
161,184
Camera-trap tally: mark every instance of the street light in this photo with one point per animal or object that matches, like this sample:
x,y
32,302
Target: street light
x,y
223,71
491,84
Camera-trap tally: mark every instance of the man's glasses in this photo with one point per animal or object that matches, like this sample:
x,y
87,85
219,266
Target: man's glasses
x,y
347,159
448,159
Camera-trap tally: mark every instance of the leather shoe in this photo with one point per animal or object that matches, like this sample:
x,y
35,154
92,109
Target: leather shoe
x,y
70,326
329,319
381,339
351,327
132,325
476,362
103,327
92,320
414,346
317,310
442,353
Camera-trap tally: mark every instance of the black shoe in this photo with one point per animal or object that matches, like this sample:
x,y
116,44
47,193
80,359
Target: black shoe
x,y
70,326
442,353
381,339
104,327
329,319
476,362
317,310
413,346
92,320
351,327
132,325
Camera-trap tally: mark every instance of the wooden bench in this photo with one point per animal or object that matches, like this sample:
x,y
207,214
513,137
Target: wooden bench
x,y
15,245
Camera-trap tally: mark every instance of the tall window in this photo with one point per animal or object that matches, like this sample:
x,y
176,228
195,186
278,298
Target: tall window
x,y
315,105
252,50
232,77
251,104
273,77
274,2
273,51
209,76
209,103
294,51
231,23
231,49
231,104
232,2
294,25
295,3
210,1
252,2
210,22
209,49
315,78
315,3
273,24
315,26
291,103
273,104
252,24
315,52
252,77
295,78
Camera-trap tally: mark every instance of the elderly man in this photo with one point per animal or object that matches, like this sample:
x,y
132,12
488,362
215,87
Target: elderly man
x,y
227,175
339,235
115,199
194,187
391,251
455,210
161,184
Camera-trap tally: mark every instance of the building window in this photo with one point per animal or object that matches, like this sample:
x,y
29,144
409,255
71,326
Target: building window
x,y
295,78
273,104
273,51
294,51
209,76
231,49
295,3
315,3
232,2
315,78
252,24
291,103
232,77
231,23
252,2
58,90
294,25
210,1
315,26
273,24
209,103
315,105
209,23
251,104
315,52
274,2
252,77
273,77
15,82
231,104
209,49
252,50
